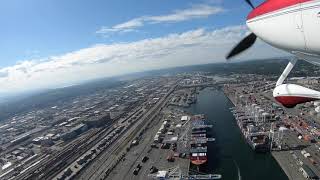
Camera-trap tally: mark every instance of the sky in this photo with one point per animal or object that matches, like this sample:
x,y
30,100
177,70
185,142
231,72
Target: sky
x,y
56,43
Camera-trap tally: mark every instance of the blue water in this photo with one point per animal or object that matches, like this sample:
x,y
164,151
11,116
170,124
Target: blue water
x,y
229,155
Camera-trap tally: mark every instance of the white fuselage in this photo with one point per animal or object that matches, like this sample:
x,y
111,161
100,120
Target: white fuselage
x,y
295,29
294,26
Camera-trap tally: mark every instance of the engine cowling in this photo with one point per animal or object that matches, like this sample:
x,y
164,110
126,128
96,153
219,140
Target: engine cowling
x,y
279,23
289,95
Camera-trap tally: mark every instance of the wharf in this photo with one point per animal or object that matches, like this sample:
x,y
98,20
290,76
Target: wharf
x,y
157,157
288,165
290,160
169,152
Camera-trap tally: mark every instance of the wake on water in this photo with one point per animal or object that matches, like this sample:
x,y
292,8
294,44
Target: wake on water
x,y
239,175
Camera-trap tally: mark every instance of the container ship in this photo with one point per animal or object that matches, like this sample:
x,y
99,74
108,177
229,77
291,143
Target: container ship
x,y
255,133
199,140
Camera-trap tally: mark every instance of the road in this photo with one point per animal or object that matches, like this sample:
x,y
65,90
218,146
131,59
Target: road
x,y
157,157
100,166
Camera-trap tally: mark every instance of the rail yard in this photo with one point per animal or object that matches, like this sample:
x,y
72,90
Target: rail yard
x,y
90,142
140,130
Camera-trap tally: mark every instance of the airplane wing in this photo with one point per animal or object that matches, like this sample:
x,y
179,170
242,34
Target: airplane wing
x,y
311,58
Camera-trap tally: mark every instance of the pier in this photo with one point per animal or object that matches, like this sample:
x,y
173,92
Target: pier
x,y
285,146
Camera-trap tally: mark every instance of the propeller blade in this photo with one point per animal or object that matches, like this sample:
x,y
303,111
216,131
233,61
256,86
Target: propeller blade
x,y
243,45
250,3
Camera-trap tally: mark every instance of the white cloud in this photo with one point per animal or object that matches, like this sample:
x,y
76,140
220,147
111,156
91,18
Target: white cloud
x,y
193,47
196,11
123,27
3,73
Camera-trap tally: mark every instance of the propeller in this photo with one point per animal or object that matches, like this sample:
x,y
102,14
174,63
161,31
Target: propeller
x,y
250,3
245,43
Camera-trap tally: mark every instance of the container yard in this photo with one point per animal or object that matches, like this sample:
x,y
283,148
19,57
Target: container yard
x,y
164,150
158,129
290,135
168,148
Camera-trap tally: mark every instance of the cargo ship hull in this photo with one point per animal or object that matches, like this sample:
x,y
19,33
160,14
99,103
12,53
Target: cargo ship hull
x,y
259,142
199,137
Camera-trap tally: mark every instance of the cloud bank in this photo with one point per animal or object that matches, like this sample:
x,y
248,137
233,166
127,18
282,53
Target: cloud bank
x,y
197,46
196,11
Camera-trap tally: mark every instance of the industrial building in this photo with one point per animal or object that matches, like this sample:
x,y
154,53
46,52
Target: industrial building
x,y
98,121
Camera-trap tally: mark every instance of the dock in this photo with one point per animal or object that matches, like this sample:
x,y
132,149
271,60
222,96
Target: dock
x,y
166,146
287,148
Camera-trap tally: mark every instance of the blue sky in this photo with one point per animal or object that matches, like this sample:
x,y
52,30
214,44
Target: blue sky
x,y
55,38
47,27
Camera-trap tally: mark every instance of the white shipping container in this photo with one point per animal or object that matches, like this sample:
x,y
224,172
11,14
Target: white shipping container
x,y
306,155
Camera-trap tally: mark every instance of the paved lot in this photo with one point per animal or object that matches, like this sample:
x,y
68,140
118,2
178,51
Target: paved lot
x,y
157,157
288,164
109,158
291,160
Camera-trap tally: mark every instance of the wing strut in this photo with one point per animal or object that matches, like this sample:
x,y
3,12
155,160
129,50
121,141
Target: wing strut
x,y
286,71
289,95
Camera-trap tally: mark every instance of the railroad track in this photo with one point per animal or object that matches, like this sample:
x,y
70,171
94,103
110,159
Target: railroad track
x,y
52,166
71,156
57,160
70,161
141,154
150,116
116,145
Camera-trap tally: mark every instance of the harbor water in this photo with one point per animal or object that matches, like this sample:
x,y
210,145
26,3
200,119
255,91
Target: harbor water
x,y
229,155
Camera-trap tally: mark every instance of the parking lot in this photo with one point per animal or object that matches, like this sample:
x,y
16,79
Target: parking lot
x,y
132,166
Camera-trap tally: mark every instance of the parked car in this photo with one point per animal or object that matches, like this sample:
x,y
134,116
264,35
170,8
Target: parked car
x,y
154,146
165,146
135,171
145,159
153,169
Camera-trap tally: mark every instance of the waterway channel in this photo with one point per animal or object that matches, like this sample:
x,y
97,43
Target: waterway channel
x,y
229,155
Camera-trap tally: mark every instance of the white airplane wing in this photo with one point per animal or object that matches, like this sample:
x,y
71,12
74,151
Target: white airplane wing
x,y
311,58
